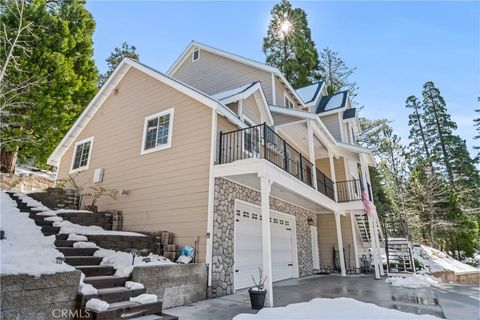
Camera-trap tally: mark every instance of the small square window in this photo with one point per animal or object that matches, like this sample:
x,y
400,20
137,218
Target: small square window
x,y
158,131
195,55
81,157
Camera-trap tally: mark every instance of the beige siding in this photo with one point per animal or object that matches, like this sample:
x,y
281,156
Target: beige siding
x,y
280,92
333,125
340,170
324,166
279,119
234,107
167,189
327,238
250,109
212,74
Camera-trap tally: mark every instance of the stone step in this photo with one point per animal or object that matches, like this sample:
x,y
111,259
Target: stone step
x,y
62,236
70,251
127,310
35,216
43,223
110,295
64,243
50,229
82,260
96,270
101,282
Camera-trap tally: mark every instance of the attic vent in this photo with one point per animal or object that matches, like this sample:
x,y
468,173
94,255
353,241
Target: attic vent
x,y
195,55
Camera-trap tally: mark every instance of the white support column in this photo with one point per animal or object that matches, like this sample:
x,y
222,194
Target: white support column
x,y
376,225
265,185
340,244
331,162
377,261
353,223
274,90
311,152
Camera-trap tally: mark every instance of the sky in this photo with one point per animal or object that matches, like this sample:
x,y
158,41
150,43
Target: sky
x,y
395,46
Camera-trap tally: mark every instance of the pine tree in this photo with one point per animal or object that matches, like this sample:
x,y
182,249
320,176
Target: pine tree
x,y
439,127
336,73
118,54
417,136
289,45
62,62
476,123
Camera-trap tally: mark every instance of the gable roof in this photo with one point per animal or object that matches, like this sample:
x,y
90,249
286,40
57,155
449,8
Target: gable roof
x,y
255,64
311,92
332,102
243,92
105,91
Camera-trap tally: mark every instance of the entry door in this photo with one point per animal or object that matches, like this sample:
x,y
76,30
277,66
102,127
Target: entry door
x,y
248,244
315,255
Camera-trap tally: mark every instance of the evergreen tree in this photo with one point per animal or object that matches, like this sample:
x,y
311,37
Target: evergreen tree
x,y
289,45
118,54
476,123
62,62
418,139
336,73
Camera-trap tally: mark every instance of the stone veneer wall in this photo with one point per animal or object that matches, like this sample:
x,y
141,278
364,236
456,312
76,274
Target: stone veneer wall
x,y
223,232
45,297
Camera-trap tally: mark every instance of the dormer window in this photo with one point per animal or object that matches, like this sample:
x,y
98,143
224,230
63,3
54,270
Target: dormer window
x,y
195,55
288,102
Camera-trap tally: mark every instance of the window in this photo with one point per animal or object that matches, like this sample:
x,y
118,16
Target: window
x,y
195,55
288,102
81,157
157,132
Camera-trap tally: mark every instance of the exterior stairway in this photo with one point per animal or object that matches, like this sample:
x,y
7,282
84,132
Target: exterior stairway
x,y
110,288
362,223
399,256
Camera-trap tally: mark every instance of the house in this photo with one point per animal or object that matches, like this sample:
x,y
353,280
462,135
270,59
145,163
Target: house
x,y
226,154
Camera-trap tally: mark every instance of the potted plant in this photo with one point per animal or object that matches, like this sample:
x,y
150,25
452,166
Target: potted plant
x,y
258,292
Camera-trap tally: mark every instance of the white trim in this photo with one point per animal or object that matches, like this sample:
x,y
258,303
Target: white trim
x,y
240,108
164,146
286,97
236,58
85,167
354,225
315,249
211,196
193,55
274,90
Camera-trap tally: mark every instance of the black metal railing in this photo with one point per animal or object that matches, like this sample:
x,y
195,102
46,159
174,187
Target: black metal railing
x,y
325,185
262,142
348,190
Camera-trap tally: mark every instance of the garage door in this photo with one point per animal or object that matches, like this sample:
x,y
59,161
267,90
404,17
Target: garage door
x,y
248,244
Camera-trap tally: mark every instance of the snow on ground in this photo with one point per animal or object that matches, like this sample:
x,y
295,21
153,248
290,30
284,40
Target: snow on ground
x,y
132,285
69,227
144,298
87,288
97,305
25,250
76,237
123,261
413,281
434,260
332,309
82,244
27,170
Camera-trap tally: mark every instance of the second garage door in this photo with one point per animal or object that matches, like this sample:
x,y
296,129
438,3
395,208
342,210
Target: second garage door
x,y
248,244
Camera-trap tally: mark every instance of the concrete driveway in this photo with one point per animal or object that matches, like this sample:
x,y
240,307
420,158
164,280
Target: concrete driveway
x,y
453,301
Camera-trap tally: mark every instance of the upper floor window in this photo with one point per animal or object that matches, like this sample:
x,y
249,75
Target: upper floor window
x,y
81,157
288,102
157,132
195,55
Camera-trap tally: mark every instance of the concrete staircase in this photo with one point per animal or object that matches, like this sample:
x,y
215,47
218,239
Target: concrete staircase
x,y
110,288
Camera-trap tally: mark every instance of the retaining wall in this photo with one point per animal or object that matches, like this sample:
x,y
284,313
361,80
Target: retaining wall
x,y
46,297
174,285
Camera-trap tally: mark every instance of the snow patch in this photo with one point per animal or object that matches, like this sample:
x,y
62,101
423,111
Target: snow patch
x,y
308,93
231,92
144,298
435,260
335,101
123,261
97,305
132,285
53,218
332,309
85,245
25,250
68,227
76,237
86,288
413,281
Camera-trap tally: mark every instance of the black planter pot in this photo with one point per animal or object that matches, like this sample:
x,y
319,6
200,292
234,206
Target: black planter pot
x,y
257,298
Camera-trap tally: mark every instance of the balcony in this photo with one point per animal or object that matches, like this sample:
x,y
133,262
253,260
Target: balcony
x,y
262,142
